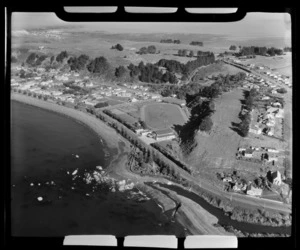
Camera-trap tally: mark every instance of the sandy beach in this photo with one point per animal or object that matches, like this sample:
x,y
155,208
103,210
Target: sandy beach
x,y
191,215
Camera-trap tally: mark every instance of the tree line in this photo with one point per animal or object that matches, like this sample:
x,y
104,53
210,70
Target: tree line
x,y
147,50
170,41
255,50
248,105
118,47
35,59
196,43
201,105
165,167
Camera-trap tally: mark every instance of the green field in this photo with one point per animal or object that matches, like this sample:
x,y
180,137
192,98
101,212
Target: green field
x,y
162,115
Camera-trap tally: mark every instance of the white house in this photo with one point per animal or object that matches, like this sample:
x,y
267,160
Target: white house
x,y
254,191
272,150
249,153
276,178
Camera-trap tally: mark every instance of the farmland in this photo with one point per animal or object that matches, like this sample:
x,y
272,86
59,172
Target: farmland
x,y
215,69
162,115
282,64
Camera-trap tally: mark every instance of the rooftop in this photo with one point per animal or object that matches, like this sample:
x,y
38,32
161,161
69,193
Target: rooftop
x,y
165,131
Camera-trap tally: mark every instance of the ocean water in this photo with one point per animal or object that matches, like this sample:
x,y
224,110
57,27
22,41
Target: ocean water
x,y
44,146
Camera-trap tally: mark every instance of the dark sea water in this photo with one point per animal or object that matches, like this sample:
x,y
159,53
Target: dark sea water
x,y
43,149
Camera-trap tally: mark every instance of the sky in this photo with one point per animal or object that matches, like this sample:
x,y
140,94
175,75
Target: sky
x,y
254,24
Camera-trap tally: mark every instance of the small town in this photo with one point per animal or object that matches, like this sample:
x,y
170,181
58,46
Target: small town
x,y
185,128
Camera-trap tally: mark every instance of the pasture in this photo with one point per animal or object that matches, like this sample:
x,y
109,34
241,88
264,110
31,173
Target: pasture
x,y
162,115
215,69
281,64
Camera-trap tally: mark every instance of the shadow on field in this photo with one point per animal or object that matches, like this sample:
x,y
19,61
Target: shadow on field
x,y
235,128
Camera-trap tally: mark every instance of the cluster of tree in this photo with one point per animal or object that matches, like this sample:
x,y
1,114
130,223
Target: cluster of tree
x,y
246,118
250,98
201,111
185,69
282,90
232,47
101,105
118,47
184,52
178,162
119,119
254,50
171,65
35,60
196,43
170,41
61,56
151,73
120,71
222,83
165,167
99,65
287,49
200,61
244,124
147,50
227,82
78,63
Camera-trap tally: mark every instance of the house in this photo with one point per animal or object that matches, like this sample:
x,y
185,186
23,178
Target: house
x,y
248,153
155,96
255,130
280,113
276,178
239,187
253,191
90,102
242,149
164,134
89,85
276,104
271,131
227,179
133,99
141,131
273,150
265,98
272,159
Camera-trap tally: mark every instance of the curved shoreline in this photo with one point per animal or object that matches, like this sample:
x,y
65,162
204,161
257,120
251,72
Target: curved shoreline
x,y
116,168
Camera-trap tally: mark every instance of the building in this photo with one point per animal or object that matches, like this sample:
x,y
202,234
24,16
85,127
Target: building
x,y
239,187
141,131
273,150
90,102
248,153
227,179
276,178
254,191
255,130
164,134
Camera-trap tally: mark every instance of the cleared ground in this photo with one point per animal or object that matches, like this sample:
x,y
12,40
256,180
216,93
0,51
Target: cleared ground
x,y
162,115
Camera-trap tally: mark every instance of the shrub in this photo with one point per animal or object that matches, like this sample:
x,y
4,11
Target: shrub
x,y
206,124
282,90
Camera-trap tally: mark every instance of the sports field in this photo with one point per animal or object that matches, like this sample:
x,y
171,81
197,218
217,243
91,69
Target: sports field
x,y
162,115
